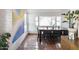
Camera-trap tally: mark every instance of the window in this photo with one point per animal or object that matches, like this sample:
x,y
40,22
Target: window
x,y
48,21
36,21
53,20
44,21
58,21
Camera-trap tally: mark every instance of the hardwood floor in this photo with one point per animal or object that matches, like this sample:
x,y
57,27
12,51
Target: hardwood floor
x,y
30,43
67,44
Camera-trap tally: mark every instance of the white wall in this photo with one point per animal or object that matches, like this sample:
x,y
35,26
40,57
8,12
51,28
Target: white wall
x,y
8,16
47,12
5,20
2,21
31,23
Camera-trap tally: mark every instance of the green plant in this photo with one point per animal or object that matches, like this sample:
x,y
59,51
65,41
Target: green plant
x,y
70,15
3,41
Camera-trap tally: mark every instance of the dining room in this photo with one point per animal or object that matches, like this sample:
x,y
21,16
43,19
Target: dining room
x,y
48,29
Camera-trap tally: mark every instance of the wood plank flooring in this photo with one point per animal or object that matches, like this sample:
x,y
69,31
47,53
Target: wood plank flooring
x,y
30,43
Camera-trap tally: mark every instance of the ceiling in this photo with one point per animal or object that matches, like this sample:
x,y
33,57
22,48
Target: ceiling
x,y
47,12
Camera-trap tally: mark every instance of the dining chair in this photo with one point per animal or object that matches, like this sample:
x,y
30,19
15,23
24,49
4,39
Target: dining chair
x,y
57,36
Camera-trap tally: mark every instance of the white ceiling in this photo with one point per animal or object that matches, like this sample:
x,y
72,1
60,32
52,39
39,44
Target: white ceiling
x,y
47,12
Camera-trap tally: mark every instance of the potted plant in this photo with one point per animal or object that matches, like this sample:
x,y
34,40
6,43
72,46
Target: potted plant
x,y
4,41
71,15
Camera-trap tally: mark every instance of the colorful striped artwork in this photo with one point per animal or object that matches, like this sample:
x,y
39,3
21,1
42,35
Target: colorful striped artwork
x,y
19,32
18,19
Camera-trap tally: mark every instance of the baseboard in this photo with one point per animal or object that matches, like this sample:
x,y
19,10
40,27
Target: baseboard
x,y
32,33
